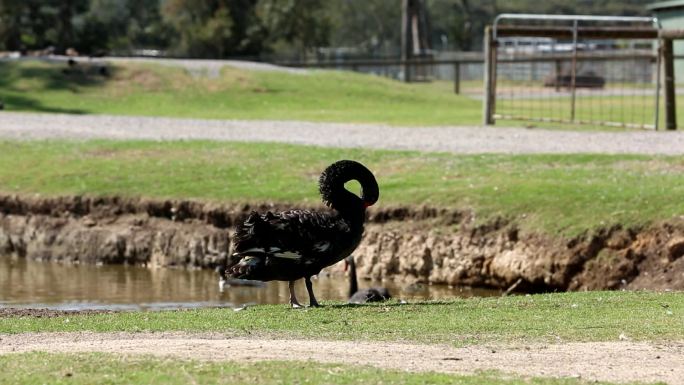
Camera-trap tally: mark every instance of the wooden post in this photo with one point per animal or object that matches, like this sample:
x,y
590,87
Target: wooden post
x,y
670,102
405,39
489,96
573,73
457,78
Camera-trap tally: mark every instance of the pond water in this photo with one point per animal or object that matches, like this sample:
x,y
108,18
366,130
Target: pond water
x,y
30,284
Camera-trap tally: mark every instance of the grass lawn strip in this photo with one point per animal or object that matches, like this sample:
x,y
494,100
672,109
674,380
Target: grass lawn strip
x,y
147,89
567,317
32,368
565,194
156,90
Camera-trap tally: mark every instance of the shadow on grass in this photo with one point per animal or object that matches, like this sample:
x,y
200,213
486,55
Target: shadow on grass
x,y
20,103
388,304
50,77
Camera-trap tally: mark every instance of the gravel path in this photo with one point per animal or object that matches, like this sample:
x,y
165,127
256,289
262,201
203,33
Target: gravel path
x,y
462,140
210,68
602,361
198,67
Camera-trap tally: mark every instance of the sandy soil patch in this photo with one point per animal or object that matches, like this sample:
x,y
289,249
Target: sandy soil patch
x,y
620,361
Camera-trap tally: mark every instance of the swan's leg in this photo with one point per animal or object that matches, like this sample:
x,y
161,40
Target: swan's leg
x,y
309,288
293,298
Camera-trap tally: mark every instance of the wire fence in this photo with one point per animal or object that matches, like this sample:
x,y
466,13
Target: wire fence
x,y
596,70
611,88
605,75
463,69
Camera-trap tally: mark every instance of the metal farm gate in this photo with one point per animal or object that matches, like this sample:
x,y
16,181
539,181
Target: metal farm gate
x,y
592,70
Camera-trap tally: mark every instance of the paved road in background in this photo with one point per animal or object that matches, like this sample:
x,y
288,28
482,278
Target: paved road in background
x,y
460,140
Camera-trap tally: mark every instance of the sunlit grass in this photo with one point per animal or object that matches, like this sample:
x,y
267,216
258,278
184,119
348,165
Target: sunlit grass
x,y
318,95
155,90
44,368
553,193
585,316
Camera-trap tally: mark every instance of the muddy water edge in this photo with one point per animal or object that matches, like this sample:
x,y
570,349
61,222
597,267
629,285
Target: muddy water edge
x,y
424,245
26,284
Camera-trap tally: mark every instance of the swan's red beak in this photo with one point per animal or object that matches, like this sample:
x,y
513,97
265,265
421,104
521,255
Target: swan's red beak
x,y
367,204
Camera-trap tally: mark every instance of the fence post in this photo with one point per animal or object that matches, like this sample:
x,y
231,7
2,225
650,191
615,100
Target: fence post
x,y
670,104
405,40
573,79
457,78
489,96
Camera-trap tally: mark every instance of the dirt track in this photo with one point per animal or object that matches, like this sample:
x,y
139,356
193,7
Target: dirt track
x,y
620,361
461,140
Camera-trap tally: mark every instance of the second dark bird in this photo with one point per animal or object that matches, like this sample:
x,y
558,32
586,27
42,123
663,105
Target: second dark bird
x,y
356,296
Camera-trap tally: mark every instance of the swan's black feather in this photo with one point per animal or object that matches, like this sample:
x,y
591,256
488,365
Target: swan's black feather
x,y
288,245
297,244
356,296
370,295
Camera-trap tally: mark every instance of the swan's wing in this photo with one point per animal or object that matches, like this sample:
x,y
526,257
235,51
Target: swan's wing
x,y
289,238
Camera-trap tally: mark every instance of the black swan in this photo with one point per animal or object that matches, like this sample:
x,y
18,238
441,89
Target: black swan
x,y
226,282
296,244
356,296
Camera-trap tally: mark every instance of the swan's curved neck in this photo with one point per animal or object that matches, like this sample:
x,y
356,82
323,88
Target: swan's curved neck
x,y
349,205
334,194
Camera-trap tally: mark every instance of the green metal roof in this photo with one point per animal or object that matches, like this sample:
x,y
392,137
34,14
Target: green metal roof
x,y
662,5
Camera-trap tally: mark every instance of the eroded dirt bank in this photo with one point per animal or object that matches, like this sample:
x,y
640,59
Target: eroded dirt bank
x,y
417,244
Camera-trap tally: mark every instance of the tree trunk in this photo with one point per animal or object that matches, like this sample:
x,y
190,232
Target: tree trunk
x,y
65,31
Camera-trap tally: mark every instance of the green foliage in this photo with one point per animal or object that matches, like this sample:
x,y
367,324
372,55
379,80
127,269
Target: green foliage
x,y
566,317
300,23
205,28
221,28
27,24
372,26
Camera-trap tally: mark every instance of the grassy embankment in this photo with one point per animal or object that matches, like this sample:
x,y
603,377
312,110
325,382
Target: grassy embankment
x,y
154,90
564,194
332,96
74,369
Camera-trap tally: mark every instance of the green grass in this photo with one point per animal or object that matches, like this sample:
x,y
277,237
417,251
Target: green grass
x,y
154,90
328,96
586,316
564,194
43,368
634,110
